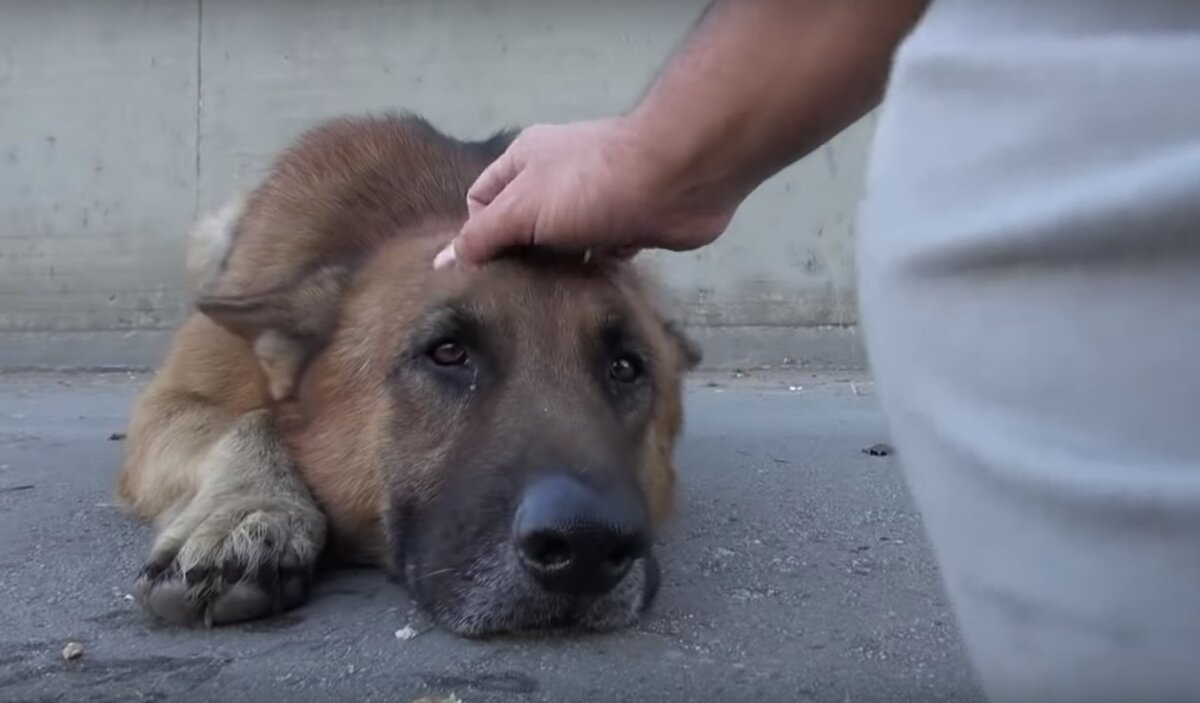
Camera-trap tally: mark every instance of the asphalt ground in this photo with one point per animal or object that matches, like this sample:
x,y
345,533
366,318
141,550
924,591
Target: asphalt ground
x,y
796,571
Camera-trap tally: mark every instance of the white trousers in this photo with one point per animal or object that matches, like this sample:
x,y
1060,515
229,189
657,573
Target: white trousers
x,y
1029,263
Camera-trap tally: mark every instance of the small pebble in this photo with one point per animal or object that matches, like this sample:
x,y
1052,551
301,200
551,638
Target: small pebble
x,y
406,633
72,651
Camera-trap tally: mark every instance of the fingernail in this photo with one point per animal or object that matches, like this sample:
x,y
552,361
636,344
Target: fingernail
x,y
445,257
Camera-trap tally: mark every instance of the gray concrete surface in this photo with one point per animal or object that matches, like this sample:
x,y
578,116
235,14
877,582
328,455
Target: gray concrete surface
x,y
797,571
120,119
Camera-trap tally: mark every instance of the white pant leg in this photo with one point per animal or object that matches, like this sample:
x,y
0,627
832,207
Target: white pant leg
x,y
1030,292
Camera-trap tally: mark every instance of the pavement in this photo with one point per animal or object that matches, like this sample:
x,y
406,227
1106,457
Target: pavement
x,y
796,571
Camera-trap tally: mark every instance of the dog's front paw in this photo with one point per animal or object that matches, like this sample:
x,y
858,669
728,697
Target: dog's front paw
x,y
243,559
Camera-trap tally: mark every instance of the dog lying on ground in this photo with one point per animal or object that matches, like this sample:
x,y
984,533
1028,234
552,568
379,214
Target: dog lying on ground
x,y
501,439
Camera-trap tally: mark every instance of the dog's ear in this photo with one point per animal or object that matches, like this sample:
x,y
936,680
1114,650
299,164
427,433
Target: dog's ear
x,y
688,348
690,353
287,315
286,326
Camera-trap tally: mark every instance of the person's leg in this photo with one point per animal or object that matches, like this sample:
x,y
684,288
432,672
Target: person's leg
x,y
1030,262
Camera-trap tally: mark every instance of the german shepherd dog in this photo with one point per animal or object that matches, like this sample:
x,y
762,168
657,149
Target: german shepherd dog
x,y
499,438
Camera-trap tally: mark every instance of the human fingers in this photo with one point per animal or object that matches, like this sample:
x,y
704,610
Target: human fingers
x,y
502,224
493,180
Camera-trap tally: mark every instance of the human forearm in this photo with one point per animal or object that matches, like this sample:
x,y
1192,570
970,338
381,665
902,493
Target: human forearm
x,y
757,85
760,83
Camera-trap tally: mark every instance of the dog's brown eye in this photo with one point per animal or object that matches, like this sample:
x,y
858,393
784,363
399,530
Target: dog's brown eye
x,y
625,369
448,354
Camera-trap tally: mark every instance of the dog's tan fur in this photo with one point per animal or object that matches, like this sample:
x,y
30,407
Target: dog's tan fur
x,y
223,452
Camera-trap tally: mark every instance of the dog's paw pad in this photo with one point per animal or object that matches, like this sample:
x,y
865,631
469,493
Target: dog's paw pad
x,y
230,570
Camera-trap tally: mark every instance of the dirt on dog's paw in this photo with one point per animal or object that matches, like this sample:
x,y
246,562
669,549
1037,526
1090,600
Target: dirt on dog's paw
x,y
243,561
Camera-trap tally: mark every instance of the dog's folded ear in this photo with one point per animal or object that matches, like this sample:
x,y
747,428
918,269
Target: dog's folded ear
x,y
690,353
282,306
286,326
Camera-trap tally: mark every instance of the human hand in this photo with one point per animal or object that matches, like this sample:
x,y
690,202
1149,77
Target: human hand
x,y
603,186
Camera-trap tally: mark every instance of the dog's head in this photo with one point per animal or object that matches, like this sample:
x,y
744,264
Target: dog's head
x,y
509,430
503,437
522,419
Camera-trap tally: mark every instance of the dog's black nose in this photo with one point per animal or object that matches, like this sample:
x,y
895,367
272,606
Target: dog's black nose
x,y
577,539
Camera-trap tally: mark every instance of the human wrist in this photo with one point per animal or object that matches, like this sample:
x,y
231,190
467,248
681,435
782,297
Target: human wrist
x,y
669,201
679,158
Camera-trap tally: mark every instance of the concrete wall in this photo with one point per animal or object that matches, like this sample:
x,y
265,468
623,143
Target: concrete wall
x,y
120,119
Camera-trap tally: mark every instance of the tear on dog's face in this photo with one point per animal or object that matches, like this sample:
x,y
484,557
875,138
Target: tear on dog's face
x,y
501,437
519,417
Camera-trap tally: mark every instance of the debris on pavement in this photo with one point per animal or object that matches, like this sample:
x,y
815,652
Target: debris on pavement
x,y
72,651
880,449
439,699
116,436
406,633
14,489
